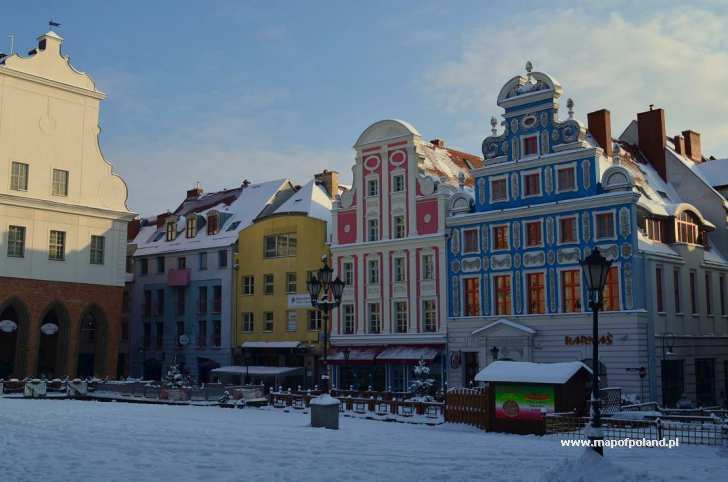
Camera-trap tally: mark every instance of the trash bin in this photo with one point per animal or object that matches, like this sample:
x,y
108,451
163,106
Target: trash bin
x,y
325,411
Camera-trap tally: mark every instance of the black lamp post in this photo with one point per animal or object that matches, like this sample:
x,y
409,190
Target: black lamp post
x,y
494,353
595,267
325,295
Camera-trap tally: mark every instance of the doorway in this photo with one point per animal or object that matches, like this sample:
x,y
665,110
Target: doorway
x,y
673,381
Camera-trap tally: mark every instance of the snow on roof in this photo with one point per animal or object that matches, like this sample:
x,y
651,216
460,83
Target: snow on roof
x,y
447,164
504,321
311,200
712,256
646,245
255,370
355,354
526,372
713,172
271,344
408,353
240,205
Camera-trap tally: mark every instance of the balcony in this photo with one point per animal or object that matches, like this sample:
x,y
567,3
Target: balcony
x,y
178,277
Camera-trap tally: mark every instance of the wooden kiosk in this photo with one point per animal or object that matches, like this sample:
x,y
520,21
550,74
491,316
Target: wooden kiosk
x,y
521,393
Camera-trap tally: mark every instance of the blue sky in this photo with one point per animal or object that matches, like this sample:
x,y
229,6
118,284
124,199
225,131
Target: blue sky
x,y
218,92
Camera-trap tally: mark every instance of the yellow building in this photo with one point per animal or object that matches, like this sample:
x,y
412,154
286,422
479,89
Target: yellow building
x,y
276,256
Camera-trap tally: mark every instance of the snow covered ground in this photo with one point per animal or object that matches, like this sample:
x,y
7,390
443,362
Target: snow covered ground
x,y
75,440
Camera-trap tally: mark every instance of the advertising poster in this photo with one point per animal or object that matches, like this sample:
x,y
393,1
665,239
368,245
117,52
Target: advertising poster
x,y
523,402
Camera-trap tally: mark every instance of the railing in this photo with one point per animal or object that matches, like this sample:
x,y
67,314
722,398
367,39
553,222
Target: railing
x,y
468,406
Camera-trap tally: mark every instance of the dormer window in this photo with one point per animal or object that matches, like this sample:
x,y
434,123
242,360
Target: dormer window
x,y
687,228
529,146
213,223
191,230
171,230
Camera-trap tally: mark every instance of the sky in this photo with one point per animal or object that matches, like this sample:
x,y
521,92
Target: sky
x,y
222,91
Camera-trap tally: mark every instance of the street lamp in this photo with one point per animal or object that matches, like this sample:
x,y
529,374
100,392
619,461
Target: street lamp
x,y
595,268
325,295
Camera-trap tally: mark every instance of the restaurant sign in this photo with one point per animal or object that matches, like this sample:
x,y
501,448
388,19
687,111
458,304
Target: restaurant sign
x,y
523,402
607,339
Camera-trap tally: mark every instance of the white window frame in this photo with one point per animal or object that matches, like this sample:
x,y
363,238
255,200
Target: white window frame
x,y
347,271
494,296
558,230
59,188
560,288
566,165
15,179
266,321
521,140
395,218
524,290
346,316
369,229
493,179
371,262
98,252
399,175
16,247
525,234
378,312
248,288
367,183
480,295
291,321
395,315
430,256
403,270
248,322
595,225
492,237
477,241
424,314
523,183
61,244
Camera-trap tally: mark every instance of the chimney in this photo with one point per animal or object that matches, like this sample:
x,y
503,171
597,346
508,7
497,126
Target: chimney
x,y
330,181
438,143
692,145
679,144
132,229
194,193
161,218
652,139
600,127
245,183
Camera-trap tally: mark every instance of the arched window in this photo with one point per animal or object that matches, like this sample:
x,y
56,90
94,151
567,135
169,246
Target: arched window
x,y
687,228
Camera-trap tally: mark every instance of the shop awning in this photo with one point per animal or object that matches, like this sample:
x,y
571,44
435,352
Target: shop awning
x,y
404,354
271,344
355,355
258,371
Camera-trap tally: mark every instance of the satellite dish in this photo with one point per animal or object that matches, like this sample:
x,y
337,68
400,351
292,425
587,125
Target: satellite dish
x,y
8,326
49,329
184,340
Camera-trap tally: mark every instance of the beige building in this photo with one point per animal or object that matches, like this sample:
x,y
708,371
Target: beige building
x,y
63,221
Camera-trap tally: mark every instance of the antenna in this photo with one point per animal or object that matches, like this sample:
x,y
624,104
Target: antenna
x,y
12,43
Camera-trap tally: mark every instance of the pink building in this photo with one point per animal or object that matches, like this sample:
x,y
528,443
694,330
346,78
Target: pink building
x,y
389,247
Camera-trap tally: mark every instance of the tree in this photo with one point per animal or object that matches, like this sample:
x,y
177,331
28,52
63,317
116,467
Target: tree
x,y
423,384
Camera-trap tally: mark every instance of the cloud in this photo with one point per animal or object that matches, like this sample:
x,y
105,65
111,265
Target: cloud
x,y
677,60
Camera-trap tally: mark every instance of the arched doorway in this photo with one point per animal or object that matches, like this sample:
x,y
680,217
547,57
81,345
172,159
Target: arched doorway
x,y
91,343
9,326
52,340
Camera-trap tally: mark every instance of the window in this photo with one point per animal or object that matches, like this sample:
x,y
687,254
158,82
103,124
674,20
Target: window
x,y
292,321
610,295
191,228
532,184
60,182
314,320
536,290
248,322
248,285
398,183
213,222
160,302
533,234
605,225
654,229
222,259
375,322
202,333
676,289
659,298
428,267
19,176
160,264
400,316
721,287
268,321
57,246
202,261
566,179
500,237
202,299
291,282
171,230
693,294
159,342
217,299
687,228
147,339
373,272
571,291
530,146
567,230
470,241
502,286
471,294
180,332
97,250
280,245
268,284
372,187
143,266
349,319
708,287
399,270
216,333
182,262
233,226
429,314
373,229
16,241
348,271
498,189
147,303
399,227
181,300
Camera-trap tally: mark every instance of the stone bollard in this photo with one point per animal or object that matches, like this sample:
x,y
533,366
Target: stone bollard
x,y
35,388
325,411
76,388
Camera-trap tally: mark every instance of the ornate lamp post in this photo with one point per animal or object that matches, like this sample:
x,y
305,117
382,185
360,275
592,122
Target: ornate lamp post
x,y
595,268
325,295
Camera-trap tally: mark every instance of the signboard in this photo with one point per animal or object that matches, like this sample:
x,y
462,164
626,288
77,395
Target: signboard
x,y
607,339
299,301
523,402
49,329
8,326
184,340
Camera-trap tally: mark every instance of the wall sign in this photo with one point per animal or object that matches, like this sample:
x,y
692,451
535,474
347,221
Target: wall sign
x,y
607,339
523,402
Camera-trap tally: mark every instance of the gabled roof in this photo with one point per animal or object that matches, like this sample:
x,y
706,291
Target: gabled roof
x,y
446,165
526,372
310,200
714,172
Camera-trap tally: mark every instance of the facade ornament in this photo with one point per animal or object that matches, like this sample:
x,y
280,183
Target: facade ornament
x,y
570,105
461,180
493,125
617,155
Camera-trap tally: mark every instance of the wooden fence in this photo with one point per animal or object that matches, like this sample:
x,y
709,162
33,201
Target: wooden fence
x,y
469,406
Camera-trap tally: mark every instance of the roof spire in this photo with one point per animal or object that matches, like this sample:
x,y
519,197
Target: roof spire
x,y
570,105
493,125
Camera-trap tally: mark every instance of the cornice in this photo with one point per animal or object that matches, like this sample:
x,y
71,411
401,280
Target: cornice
x,y
388,243
52,83
33,203
386,339
546,159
